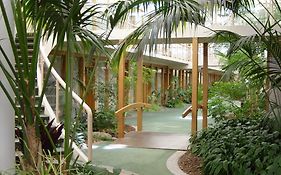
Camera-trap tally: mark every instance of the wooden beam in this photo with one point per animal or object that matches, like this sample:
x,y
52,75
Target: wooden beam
x,y
139,90
120,100
194,101
205,85
106,82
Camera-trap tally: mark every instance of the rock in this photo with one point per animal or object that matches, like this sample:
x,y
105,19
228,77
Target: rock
x,y
102,136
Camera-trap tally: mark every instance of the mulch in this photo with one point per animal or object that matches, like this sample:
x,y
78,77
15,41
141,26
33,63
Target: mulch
x,y
190,163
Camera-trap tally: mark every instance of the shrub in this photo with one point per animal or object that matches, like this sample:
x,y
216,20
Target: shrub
x,y
239,146
234,100
105,121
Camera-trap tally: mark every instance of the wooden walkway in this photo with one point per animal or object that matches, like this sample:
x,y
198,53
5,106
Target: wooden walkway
x,y
155,140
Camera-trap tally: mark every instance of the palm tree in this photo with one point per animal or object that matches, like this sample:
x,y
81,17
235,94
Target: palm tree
x,y
64,21
265,40
68,21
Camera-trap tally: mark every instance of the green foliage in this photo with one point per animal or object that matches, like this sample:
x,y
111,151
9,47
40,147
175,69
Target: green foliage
x,y
105,121
239,146
231,90
90,169
234,99
154,99
106,91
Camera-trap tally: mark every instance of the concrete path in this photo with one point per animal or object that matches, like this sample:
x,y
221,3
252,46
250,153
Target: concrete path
x,y
145,161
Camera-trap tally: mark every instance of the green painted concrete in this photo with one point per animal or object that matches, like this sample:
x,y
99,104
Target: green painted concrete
x,y
139,160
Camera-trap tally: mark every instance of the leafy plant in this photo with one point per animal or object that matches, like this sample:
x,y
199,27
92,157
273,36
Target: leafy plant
x,y
239,146
54,132
90,169
105,121
228,100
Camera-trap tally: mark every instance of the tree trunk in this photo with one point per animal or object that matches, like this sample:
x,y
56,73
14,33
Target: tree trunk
x,y
33,144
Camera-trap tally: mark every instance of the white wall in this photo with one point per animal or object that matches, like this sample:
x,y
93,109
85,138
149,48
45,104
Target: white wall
x,y
7,124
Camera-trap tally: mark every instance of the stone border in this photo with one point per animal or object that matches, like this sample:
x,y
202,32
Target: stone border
x,y
172,163
123,172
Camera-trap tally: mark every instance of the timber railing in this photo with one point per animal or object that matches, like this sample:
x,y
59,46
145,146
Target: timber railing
x,y
61,85
120,116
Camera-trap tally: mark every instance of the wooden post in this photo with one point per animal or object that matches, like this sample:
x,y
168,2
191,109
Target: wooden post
x,y
120,100
180,78
63,67
90,98
162,86
194,85
184,79
205,85
156,80
127,88
106,82
166,83
81,72
139,90
144,92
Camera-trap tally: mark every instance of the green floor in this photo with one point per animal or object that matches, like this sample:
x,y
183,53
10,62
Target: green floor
x,y
139,160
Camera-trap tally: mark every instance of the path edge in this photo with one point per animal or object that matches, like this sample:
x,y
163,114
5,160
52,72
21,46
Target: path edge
x,y
172,163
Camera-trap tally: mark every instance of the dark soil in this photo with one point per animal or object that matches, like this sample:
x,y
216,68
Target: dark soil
x,y
190,164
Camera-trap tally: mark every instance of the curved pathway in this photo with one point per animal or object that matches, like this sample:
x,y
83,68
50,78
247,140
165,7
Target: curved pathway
x,y
139,160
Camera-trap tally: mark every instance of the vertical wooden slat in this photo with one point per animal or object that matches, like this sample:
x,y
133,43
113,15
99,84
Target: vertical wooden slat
x,y
90,98
139,90
120,100
194,85
156,80
184,79
81,72
179,78
106,82
162,86
127,88
205,85
63,67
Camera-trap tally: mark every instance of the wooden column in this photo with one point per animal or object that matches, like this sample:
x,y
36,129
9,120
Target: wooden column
x,y
144,92
162,86
90,98
190,78
166,83
139,90
106,82
120,100
180,78
81,72
63,67
149,88
156,80
205,85
194,101
127,88
184,79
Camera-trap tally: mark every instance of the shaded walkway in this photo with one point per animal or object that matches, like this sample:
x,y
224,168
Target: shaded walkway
x,y
141,160
155,140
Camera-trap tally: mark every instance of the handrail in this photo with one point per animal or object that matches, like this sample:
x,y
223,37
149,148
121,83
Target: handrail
x,y
132,106
77,99
189,110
